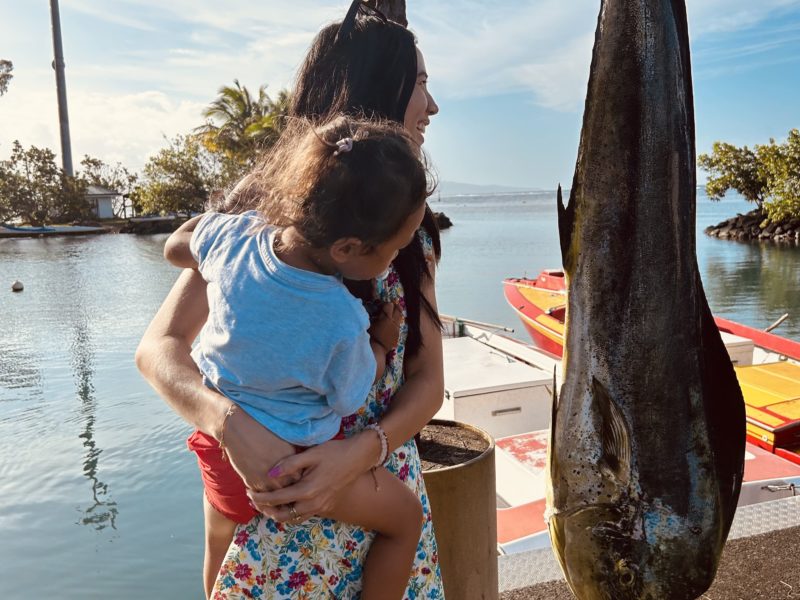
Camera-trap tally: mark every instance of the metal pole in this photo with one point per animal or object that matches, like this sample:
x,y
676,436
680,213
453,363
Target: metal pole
x,y
61,87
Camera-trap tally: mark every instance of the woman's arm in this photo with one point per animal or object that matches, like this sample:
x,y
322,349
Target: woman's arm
x,y
331,466
421,396
164,359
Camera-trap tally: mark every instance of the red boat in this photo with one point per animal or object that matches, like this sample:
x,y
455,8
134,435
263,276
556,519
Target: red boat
x,y
767,365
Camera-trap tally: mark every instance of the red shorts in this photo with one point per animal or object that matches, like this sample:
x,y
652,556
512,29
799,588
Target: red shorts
x,y
224,489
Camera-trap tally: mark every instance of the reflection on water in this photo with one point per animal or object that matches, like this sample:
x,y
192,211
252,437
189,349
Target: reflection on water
x,y
101,511
80,431
755,283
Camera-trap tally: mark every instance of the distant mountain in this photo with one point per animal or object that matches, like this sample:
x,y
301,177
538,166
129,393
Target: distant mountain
x,y
455,188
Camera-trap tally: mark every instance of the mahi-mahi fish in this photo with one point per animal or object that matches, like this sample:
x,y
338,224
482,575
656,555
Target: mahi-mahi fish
x,y
648,430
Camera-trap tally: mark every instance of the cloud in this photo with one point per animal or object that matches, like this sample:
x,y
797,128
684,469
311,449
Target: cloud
x,y
125,98
721,16
114,127
488,48
544,46
108,12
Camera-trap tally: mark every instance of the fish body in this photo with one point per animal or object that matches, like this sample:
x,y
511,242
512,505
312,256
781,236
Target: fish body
x,y
647,443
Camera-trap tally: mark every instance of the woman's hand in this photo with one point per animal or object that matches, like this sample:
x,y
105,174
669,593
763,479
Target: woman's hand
x,y
325,469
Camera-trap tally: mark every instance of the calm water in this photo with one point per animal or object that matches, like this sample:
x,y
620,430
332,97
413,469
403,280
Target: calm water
x,y
99,498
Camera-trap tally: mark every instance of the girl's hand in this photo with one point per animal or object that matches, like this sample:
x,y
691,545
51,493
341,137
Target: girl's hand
x,y
385,328
253,450
326,470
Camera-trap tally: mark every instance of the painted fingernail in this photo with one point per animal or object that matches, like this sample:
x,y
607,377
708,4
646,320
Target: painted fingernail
x,y
274,472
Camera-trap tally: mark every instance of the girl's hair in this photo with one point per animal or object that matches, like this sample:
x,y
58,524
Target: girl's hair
x,y
349,178
371,71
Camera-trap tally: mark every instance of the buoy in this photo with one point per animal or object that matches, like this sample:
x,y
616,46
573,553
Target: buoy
x,y
17,286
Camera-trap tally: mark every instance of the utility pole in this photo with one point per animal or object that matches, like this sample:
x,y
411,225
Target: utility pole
x,y
61,88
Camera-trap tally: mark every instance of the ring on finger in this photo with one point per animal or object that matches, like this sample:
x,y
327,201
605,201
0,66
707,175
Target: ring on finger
x,y
293,512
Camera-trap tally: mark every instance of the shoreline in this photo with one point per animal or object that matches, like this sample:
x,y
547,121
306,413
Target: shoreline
x,y
753,226
135,226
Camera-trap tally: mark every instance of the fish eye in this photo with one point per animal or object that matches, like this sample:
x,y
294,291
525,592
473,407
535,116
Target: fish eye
x,y
626,575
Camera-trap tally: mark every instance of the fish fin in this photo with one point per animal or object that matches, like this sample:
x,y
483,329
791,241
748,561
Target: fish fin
x,y
566,225
615,434
725,412
553,415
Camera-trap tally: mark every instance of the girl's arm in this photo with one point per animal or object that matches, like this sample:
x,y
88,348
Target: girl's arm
x,y
164,359
331,466
176,249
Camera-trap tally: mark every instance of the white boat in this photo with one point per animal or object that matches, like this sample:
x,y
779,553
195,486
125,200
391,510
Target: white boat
x,y
504,386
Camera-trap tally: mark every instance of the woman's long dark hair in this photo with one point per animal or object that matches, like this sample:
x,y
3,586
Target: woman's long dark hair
x,y
372,70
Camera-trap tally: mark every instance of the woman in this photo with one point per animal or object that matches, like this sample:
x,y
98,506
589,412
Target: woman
x,y
363,65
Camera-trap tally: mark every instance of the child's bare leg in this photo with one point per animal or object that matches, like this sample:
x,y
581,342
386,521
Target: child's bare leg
x,y
395,514
219,535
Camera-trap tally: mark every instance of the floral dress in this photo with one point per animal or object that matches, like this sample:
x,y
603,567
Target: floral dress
x,y
322,559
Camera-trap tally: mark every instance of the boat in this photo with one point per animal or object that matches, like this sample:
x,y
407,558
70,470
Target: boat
x,y
767,365
14,231
504,385
25,229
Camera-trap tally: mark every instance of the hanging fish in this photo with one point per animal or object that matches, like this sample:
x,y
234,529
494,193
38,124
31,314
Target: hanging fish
x,y
648,431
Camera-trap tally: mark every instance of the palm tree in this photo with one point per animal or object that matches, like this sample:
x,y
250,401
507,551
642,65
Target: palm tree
x,y
265,131
239,124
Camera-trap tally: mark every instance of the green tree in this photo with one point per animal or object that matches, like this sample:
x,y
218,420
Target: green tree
x,y
35,190
733,168
6,67
95,172
179,178
240,124
114,177
265,131
769,175
782,164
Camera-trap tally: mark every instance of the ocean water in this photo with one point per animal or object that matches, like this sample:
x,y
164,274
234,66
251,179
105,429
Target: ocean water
x,y
99,497
517,235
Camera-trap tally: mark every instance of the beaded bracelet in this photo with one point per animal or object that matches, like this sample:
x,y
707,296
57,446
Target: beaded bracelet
x,y
231,409
384,443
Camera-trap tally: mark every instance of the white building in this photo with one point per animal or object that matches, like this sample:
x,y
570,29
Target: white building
x,y
104,201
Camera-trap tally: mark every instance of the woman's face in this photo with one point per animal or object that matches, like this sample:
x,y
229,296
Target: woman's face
x,y
421,107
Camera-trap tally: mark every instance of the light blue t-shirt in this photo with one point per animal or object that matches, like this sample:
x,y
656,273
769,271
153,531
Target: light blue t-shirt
x,y
289,346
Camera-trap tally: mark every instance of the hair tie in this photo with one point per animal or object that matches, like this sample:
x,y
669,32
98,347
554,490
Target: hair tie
x,y
343,145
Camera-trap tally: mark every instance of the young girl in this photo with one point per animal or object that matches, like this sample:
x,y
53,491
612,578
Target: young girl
x,y
285,340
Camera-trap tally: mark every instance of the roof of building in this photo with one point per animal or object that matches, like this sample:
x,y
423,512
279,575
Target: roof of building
x,y
98,190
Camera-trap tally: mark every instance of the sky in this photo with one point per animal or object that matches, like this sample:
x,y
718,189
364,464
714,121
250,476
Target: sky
x,y
509,75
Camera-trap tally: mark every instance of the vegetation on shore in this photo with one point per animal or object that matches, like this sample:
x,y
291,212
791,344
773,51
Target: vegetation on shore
x,y
769,176
179,178
6,68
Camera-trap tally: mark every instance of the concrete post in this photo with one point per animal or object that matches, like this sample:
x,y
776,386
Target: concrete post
x,y
464,507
